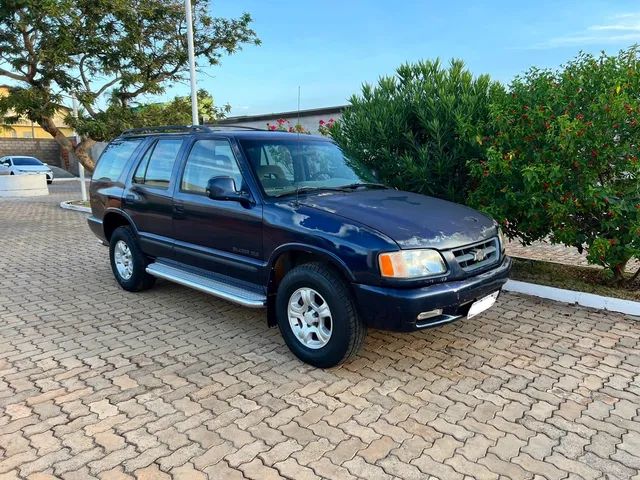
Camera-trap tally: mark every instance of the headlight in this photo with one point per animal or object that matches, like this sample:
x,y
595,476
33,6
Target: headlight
x,y
411,264
503,239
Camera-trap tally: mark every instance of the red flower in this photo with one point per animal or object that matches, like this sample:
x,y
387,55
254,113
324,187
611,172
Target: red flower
x,y
322,122
281,121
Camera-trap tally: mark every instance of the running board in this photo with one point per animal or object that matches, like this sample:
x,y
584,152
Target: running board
x,y
217,288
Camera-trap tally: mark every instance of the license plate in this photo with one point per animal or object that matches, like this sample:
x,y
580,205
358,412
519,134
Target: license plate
x,y
483,304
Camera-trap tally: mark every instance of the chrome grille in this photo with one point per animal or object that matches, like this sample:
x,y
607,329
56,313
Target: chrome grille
x,y
478,255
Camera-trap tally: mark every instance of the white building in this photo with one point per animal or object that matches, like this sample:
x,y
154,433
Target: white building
x,y
309,119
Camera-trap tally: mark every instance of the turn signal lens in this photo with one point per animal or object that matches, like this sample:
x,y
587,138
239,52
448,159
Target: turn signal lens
x,y
503,239
411,264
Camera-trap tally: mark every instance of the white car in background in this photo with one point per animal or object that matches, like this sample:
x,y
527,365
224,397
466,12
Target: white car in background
x,y
22,165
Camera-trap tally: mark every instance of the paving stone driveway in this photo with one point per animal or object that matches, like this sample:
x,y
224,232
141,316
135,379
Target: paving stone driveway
x,y
98,382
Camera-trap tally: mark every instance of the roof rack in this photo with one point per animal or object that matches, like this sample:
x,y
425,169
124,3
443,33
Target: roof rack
x,y
243,127
184,129
164,129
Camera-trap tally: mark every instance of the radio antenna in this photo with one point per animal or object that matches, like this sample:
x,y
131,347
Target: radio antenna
x,y
298,142
298,104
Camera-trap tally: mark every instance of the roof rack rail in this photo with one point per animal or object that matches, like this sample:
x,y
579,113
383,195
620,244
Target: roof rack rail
x,y
230,125
165,129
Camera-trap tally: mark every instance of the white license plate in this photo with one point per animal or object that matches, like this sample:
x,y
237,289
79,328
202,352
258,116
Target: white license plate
x,y
483,304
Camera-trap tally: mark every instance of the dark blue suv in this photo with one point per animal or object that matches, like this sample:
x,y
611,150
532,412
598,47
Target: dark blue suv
x,y
287,222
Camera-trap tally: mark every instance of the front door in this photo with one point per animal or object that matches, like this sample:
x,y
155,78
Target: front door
x,y
148,199
220,236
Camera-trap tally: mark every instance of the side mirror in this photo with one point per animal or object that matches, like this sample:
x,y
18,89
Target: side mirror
x,y
224,188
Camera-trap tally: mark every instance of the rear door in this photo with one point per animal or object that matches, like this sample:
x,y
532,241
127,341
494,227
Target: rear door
x,y
220,236
148,198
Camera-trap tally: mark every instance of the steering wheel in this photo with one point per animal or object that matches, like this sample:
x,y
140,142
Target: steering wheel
x,y
320,176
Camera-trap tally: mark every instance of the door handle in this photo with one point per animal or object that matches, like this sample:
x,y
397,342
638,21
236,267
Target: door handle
x,y
178,208
130,197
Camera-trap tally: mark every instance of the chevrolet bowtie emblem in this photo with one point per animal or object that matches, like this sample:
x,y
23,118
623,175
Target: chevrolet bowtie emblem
x,y
478,255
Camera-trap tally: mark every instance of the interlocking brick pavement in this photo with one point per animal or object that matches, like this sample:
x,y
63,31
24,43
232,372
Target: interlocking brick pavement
x,y
548,252
99,383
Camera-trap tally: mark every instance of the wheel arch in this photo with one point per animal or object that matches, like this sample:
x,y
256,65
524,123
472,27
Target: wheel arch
x,y
113,219
290,256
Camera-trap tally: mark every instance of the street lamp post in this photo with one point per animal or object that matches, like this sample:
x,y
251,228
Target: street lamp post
x,y
192,63
83,185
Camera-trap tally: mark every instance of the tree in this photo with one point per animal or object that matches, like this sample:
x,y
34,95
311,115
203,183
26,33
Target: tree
x,y
106,53
564,160
117,117
419,128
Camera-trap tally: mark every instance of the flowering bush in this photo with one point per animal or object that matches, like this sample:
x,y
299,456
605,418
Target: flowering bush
x,y
564,160
283,125
325,127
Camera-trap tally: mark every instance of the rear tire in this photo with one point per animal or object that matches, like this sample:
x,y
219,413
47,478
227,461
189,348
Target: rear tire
x,y
128,263
314,298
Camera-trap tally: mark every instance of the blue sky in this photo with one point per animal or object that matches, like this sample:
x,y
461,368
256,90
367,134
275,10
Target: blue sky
x,y
329,48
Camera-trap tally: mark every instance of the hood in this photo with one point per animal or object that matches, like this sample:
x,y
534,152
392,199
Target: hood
x,y
32,168
411,220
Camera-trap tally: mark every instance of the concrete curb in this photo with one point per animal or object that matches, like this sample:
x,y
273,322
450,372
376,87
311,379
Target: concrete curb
x,y
591,300
67,205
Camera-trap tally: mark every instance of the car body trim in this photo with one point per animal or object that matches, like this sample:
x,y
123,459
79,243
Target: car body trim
x,y
211,286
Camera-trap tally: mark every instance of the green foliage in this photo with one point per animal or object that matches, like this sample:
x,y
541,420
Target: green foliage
x,y
419,128
106,53
117,117
564,159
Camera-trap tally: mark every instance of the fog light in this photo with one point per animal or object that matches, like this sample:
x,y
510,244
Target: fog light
x,y
429,314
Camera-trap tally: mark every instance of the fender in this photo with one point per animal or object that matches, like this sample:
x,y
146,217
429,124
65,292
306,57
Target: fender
x,y
300,247
122,213
331,257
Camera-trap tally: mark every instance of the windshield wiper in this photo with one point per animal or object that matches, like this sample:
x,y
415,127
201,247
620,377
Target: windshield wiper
x,y
353,186
309,189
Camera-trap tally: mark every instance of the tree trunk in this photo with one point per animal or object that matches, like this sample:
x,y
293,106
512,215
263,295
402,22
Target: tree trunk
x,y
82,151
618,272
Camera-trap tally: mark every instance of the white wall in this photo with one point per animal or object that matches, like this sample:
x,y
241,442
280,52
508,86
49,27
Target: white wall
x,y
23,185
308,121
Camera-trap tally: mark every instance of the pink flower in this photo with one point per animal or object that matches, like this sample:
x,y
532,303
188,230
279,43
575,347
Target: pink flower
x,y
322,122
281,121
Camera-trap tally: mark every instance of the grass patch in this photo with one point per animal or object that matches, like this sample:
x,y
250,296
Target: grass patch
x,y
572,277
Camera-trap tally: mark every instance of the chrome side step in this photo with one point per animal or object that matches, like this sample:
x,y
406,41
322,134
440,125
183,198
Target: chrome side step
x,y
217,288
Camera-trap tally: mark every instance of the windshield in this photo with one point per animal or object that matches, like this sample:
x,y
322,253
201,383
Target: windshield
x,y
284,166
26,161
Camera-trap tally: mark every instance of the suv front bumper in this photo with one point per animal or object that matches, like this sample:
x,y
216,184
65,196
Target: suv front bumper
x,y
398,309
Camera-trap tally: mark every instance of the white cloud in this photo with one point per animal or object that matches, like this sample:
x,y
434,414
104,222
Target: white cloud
x,y
621,28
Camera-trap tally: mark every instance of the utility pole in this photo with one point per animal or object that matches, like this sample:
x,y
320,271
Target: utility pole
x,y
192,63
83,185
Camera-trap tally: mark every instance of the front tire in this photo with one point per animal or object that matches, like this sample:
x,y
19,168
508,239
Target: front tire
x,y
317,316
128,263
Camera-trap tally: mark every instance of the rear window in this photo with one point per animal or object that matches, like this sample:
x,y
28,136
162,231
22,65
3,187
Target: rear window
x,y
114,158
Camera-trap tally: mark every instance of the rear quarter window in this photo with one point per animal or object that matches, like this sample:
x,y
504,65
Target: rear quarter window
x,y
114,159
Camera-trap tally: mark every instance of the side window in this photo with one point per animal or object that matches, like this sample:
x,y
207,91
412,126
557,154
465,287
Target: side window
x,y
114,159
157,163
207,159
